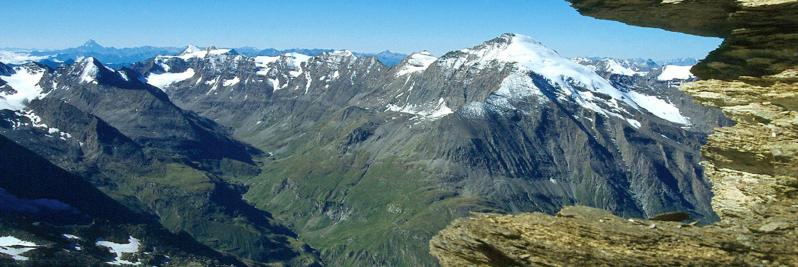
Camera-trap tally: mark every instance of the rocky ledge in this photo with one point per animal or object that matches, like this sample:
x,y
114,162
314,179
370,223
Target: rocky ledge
x,y
760,35
753,165
583,236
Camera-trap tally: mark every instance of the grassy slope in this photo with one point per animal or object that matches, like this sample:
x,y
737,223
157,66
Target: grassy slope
x,y
191,201
356,209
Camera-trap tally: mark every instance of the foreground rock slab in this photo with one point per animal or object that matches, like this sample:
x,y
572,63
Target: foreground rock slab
x,y
582,236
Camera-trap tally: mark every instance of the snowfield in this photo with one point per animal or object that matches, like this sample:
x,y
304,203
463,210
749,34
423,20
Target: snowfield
x,y
435,112
164,80
660,108
15,247
616,68
25,81
416,62
119,249
673,72
196,52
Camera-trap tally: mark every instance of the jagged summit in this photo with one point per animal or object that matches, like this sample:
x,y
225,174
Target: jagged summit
x,y
193,51
341,52
91,70
337,55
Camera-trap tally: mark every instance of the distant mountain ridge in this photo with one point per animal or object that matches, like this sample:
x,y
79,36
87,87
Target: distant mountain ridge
x,y
120,57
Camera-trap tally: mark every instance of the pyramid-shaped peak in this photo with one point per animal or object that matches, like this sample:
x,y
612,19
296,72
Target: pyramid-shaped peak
x,y
90,69
191,49
91,43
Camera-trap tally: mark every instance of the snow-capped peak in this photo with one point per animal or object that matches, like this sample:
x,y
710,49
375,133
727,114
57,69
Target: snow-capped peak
x,y
530,56
91,69
569,79
416,62
341,53
625,67
91,43
192,51
616,67
336,56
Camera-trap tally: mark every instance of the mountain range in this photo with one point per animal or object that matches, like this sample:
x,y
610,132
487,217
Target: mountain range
x,y
121,57
332,157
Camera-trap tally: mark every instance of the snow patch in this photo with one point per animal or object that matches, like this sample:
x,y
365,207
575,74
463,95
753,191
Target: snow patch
x,y
275,84
517,86
196,52
473,110
294,62
25,82
617,68
262,64
15,247
634,123
231,82
438,111
119,249
416,62
673,72
660,108
164,80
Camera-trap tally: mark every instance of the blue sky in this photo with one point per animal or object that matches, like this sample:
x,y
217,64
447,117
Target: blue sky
x,y
360,25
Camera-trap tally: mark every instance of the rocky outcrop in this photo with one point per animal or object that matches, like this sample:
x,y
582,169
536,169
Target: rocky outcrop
x,y
583,236
753,165
759,34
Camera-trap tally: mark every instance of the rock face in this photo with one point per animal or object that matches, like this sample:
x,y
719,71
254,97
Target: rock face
x,y
753,165
582,236
759,34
